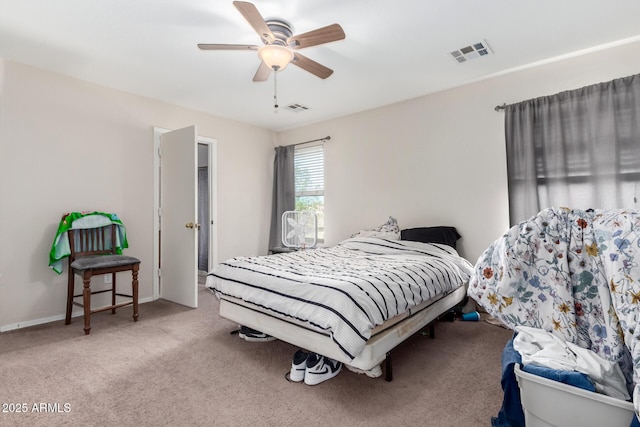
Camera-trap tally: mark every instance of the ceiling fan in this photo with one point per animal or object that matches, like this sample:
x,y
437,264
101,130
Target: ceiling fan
x,y
280,45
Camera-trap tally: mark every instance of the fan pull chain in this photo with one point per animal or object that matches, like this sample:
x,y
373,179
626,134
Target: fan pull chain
x,y
275,91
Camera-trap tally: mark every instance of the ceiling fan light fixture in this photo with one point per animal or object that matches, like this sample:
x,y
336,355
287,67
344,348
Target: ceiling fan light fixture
x,y
275,56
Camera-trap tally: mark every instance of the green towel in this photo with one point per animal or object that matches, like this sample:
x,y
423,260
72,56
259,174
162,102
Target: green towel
x,y
60,248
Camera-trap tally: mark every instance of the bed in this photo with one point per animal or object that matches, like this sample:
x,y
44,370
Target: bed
x,y
352,302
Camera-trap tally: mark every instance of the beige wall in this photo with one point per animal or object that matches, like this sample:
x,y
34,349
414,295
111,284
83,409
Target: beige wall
x,y
440,159
434,160
67,145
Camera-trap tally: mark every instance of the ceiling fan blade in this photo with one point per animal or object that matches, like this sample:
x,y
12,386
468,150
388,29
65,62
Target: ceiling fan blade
x,y
327,34
263,73
209,46
311,66
251,14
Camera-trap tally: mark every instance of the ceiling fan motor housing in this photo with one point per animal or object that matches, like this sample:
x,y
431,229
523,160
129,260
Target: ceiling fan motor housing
x,y
281,30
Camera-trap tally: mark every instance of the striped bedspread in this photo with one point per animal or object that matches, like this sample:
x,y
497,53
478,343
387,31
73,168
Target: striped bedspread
x,y
345,290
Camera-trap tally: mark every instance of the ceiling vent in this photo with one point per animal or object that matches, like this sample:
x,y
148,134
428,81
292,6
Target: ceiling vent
x,y
470,52
296,107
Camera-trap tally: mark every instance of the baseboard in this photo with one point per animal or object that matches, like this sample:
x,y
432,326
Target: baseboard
x,y
43,320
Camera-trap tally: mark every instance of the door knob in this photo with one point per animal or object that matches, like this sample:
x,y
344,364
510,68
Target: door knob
x,y
192,225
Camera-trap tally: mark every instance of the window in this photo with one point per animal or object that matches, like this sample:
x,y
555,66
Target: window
x,y
309,182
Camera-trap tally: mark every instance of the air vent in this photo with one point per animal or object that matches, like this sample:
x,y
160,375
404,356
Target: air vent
x,y
470,52
296,107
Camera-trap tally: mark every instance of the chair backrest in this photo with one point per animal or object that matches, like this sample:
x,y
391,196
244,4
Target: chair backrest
x,y
92,241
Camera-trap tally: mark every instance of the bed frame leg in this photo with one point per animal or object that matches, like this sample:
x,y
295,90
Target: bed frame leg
x,y
388,371
388,375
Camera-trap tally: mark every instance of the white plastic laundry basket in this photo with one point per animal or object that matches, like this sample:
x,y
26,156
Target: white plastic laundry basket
x,y
550,403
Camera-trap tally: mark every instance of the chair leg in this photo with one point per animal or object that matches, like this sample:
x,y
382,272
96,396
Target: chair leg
x,y
86,300
134,291
113,292
70,289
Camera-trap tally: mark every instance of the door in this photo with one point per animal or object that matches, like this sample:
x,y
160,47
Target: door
x,y
178,216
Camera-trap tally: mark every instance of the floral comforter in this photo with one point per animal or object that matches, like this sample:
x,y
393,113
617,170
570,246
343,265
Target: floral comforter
x,y
573,273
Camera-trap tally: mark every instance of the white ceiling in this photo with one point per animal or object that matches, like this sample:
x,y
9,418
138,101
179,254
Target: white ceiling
x,y
393,51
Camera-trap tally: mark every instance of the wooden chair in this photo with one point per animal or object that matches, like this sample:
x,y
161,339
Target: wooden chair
x,y
93,254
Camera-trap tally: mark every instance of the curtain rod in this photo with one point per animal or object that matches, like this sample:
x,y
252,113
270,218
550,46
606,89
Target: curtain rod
x,y
326,138
500,107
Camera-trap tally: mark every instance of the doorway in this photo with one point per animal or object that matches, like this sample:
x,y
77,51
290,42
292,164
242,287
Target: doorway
x,y
198,177
203,209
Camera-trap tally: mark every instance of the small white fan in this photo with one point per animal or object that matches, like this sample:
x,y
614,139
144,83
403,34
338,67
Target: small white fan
x,y
299,229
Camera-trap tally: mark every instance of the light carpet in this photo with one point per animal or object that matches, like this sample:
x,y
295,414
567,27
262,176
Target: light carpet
x,y
181,367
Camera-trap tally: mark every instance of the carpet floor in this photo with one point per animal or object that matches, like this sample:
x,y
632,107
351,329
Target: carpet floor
x,y
182,367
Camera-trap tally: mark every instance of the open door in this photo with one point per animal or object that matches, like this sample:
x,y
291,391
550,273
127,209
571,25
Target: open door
x,y
178,216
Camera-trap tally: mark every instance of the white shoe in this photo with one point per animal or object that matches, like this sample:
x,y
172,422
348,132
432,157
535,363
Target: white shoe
x,y
298,366
252,335
320,369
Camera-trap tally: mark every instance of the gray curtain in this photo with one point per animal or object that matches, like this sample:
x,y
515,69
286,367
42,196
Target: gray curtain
x,y
577,149
284,192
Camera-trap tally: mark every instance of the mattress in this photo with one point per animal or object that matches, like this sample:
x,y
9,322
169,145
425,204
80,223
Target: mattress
x,y
384,337
343,292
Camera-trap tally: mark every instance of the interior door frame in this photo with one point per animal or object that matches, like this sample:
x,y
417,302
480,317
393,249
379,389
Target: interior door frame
x,y
213,203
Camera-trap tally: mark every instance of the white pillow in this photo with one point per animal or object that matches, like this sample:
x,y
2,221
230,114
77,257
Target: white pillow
x,y
388,230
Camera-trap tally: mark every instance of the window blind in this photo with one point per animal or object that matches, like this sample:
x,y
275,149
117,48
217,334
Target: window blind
x,y
309,170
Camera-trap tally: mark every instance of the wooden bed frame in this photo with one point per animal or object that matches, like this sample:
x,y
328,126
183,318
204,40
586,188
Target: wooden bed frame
x,y
378,349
